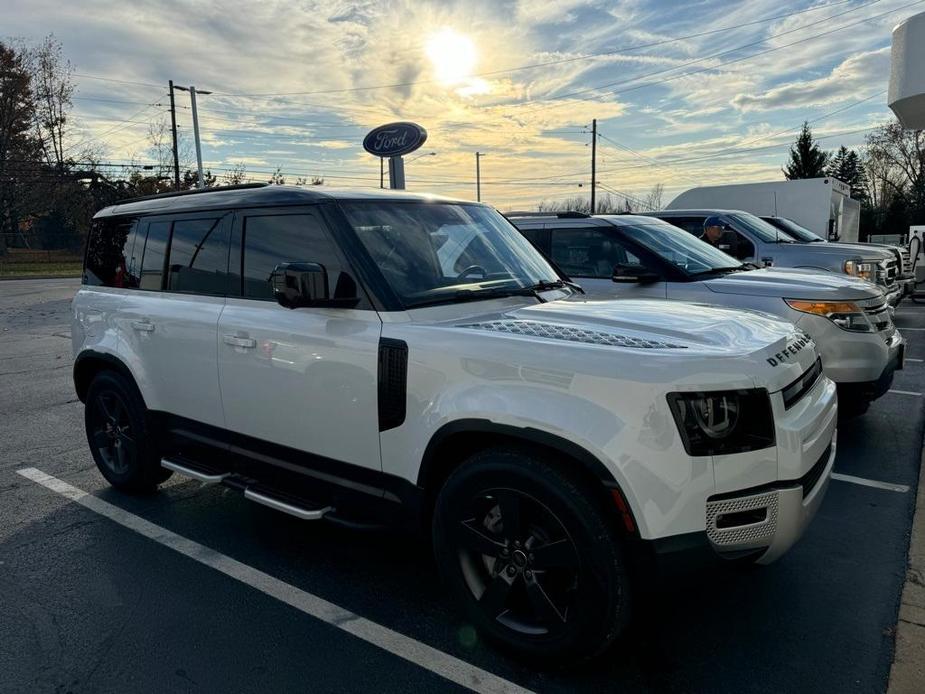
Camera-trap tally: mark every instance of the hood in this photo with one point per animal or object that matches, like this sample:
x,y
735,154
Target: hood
x,y
845,251
734,346
792,283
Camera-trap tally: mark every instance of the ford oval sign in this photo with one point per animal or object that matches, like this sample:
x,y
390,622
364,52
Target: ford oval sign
x,y
394,139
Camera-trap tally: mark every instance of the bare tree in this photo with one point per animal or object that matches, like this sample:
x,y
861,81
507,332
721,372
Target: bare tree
x,y
53,87
277,178
236,176
901,153
653,201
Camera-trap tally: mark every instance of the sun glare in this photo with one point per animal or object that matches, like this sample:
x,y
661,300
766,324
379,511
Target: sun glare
x,y
452,55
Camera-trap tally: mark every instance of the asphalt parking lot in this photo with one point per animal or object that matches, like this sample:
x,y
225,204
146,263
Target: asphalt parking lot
x,y
90,605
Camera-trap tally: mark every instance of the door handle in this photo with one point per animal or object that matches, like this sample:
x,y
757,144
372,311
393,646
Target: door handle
x,y
143,326
237,341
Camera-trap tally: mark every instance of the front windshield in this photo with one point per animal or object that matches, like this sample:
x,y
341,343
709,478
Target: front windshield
x,y
680,248
760,228
442,252
800,233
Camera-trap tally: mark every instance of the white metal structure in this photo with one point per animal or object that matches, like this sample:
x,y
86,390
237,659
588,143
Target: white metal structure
x,y
324,354
907,78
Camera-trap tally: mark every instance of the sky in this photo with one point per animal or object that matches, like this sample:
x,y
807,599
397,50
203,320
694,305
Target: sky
x,y
694,93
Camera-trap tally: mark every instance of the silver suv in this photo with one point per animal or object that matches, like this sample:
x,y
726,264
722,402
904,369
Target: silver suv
x,y
751,239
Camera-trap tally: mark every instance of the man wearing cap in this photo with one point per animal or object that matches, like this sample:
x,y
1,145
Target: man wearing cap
x,y
712,231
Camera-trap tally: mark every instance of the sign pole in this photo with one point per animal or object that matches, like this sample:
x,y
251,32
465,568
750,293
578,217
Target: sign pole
x,y
397,173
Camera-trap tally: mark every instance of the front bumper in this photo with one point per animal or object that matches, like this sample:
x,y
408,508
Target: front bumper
x,y
768,521
906,286
872,389
848,357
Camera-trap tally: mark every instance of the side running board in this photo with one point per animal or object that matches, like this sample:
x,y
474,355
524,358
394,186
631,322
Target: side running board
x,y
197,473
286,507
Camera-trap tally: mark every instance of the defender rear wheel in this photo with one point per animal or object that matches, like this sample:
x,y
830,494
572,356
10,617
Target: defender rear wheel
x,y
532,558
117,432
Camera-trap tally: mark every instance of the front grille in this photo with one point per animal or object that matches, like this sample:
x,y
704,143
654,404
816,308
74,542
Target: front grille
x,y
811,478
802,385
745,534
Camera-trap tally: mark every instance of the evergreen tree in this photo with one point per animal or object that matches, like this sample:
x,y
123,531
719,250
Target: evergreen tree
x,y
846,167
807,160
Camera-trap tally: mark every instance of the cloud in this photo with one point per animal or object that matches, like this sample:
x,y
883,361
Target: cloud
x,y
850,79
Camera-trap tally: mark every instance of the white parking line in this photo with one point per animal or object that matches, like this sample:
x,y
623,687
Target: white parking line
x,y
422,655
902,329
917,361
904,392
870,483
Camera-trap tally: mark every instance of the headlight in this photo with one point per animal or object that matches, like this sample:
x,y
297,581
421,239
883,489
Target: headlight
x,y
845,314
867,271
722,422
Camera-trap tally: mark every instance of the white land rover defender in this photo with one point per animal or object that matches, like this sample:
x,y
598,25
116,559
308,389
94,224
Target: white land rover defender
x,y
360,357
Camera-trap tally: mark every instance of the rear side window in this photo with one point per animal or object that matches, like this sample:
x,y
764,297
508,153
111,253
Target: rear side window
x,y
273,239
692,224
152,262
589,252
112,257
198,257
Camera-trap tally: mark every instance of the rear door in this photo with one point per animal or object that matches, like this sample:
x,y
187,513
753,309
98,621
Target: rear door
x,y
170,322
588,255
304,379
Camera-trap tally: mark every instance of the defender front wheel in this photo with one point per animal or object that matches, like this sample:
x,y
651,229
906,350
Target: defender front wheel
x,y
531,556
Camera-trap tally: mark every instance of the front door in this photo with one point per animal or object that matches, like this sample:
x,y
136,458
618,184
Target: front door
x,y
305,379
588,256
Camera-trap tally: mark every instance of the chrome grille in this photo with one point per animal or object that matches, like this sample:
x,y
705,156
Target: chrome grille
x,y
743,536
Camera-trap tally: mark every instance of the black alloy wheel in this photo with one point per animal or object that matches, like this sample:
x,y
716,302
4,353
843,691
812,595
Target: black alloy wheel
x,y
518,561
527,547
111,431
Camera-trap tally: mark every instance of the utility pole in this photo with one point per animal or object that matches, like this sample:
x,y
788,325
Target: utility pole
x,y
192,95
478,176
173,131
382,172
593,164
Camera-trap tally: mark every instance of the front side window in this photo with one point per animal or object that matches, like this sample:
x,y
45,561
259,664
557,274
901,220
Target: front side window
x,y
111,253
285,238
199,257
590,252
444,252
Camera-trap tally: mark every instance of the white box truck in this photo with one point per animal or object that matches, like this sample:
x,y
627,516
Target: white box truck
x,y
822,205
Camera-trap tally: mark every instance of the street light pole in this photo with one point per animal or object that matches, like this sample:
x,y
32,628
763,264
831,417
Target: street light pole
x,y
173,132
192,95
478,176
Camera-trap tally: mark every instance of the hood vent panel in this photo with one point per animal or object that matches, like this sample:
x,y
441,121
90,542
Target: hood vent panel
x,y
571,333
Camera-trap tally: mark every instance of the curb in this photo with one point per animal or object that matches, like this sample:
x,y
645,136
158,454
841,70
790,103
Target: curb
x,y
7,278
907,675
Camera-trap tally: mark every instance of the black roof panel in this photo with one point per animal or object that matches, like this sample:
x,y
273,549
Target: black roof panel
x,y
265,196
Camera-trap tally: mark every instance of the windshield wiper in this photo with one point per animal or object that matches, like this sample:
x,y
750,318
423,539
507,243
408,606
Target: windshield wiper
x,y
717,270
461,295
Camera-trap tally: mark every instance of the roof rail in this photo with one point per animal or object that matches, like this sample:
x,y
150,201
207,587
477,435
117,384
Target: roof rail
x,y
193,191
567,214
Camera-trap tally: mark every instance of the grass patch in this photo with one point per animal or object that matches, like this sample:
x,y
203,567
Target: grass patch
x,y
71,268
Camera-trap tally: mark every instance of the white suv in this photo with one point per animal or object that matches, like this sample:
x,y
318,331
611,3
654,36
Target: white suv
x,y
368,357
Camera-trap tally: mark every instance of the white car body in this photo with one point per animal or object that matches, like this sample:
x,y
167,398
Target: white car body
x,y
367,406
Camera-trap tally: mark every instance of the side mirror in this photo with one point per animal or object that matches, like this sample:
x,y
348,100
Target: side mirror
x,y
300,285
631,273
